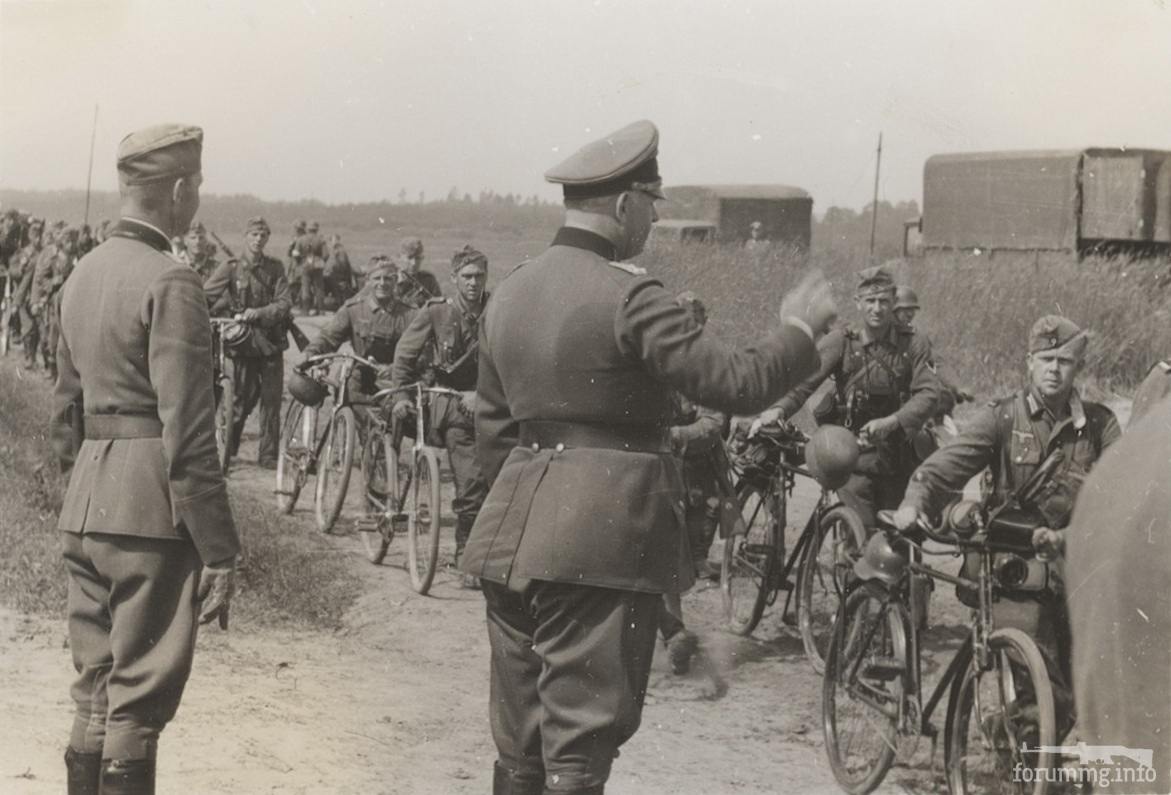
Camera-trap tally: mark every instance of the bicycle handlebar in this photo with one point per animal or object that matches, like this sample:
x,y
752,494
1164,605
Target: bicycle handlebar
x,y
321,358
435,390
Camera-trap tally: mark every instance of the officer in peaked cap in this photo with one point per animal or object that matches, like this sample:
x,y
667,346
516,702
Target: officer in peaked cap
x,y
582,530
147,527
1015,436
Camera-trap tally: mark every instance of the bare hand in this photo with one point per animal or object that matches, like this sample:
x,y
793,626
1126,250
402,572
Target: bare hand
x,y
401,410
467,403
812,303
766,417
880,428
906,517
217,586
249,315
1050,544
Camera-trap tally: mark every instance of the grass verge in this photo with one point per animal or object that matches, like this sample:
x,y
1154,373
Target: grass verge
x,y
293,577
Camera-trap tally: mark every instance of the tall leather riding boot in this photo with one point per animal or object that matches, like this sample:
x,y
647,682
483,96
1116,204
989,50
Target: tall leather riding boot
x,y
83,772
506,782
128,777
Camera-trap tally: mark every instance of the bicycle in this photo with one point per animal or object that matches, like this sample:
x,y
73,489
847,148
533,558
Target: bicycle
x,y
755,568
409,503
308,446
1000,700
228,332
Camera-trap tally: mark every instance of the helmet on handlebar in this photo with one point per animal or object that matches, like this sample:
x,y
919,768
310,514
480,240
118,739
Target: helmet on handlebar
x,y
830,454
236,334
880,561
306,390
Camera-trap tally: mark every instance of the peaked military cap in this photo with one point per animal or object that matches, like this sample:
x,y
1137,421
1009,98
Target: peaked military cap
x,y
467,256
1055,331
874,281
622,160
165,151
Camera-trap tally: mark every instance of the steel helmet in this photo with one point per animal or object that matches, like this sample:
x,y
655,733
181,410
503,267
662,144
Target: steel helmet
x,y
905,298
236,334
830,454
306,390
880,561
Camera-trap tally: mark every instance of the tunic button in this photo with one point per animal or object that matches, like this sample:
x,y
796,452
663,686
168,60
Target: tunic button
x,y
536,447
560,447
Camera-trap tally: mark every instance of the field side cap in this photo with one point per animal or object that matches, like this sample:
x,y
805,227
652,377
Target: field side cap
x,y
905,298
467,256
314,226
380,263
165,151
257,222
198,228
831,454
756,225
1054,331
874,281
299,226
623,160
880,561
412,247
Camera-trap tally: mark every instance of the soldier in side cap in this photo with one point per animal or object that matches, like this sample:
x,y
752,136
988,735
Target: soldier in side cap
x,y
253,288
415,286
53,268
198,253
296,260
1014,437
22,272
885,390
340,280
311,249
1118,590
150,545
441,343
582,530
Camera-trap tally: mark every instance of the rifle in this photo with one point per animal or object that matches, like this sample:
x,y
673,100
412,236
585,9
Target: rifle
x,y
300,339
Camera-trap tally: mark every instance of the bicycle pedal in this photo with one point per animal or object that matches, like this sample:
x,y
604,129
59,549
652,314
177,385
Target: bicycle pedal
x,y
884,669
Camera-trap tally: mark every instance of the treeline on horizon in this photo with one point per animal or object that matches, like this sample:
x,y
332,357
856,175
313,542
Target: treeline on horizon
x,y
839,230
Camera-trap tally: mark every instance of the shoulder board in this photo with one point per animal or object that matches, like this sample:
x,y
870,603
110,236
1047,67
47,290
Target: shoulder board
x,y
1001,400
357,299
1165,366
633,270
520,265
437,300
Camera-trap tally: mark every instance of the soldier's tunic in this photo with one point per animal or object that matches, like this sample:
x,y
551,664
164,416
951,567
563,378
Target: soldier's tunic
x,y
146,502
339,275
311,247
371,329
416,289
1155,387
258,369
582,529
1118,588
1013,437
874,378
441,341
203,264
25,265
52,270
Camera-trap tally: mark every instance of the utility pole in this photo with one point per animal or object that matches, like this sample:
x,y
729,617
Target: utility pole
x,y
874,206
90,172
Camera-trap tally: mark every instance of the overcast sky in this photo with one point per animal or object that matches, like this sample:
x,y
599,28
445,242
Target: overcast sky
x,y
353,101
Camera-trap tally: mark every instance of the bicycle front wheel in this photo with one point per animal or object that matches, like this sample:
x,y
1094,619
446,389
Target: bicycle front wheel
x,y
866,681
827,567
380,471
997,711
224,416
751,558
422,510
334,466
297,445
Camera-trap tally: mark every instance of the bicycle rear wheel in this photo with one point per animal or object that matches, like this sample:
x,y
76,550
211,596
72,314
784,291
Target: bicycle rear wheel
x,y
422,510
334,467
866,681
380,473
992,711
826,568
295,455
751,559
224,416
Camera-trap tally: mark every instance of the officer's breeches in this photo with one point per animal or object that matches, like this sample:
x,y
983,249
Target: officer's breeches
x,y
259,381
569,672
132,623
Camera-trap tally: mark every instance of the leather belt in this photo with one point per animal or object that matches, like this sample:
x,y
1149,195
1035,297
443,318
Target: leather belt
x,y
122,426
539,434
